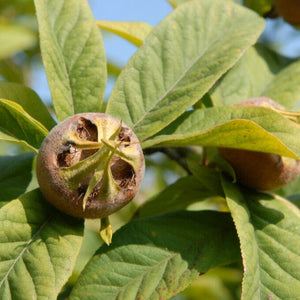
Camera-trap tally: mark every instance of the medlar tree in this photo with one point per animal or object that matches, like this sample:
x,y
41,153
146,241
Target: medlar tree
x,y
178,96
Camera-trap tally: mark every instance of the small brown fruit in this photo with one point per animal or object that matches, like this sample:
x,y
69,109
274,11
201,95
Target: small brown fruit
x,y
261,171
289,10
90,165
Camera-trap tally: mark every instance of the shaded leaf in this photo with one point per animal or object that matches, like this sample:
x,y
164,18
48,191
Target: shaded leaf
x,y
181,59
15,38
251,128
260,6
73,56
269,233
11,71
243,81
15,176
38,248
18,126
285,88
134,32
9,139
177,196
155,258
113,69
29,100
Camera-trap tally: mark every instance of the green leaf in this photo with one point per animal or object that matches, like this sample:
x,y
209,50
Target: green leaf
x,y
284,88
134,32
15,176
175,3
11,71
179,195
15,38
18,126
38,248
113,69
250,128
155,258
269,233
29,100
244,82
260,6
181,59
73,56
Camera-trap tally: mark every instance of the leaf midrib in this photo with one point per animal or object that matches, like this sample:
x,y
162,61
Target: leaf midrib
x,y
26,247
181,77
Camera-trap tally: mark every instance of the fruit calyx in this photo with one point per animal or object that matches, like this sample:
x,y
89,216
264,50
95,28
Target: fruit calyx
x,y
92,164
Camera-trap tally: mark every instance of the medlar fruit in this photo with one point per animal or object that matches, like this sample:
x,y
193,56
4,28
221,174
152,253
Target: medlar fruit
x,y
289,10
257,170
90,165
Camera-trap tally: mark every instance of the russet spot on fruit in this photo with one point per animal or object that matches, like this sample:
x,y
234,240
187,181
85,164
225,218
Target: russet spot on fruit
x,y
90,165
257,170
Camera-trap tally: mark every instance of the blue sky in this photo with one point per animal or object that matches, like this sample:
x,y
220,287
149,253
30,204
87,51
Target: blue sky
x,y
149,11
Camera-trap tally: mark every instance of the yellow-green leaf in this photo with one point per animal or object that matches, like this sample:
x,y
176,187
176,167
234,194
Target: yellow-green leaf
x,y
16,125
134,32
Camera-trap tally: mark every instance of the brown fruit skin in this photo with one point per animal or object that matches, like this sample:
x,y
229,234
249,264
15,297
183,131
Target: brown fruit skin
x,y
55,189
257,170
289,10
261,171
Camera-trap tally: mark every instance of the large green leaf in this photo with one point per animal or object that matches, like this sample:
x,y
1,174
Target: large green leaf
x,y
14,38
134,32
251,128
38,248
29,100
269,233
15,176
181,59
157,257
244,82
73,55
18,126
184,192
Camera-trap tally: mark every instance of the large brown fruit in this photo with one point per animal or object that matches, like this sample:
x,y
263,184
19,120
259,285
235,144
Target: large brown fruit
x,y
261,171
289,10
90,165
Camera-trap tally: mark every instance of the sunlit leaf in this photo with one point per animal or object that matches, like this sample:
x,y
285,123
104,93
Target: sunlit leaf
x,y
251,128
269,233
73,55
18,126
181,59
134,32
29,100
38,248
155,258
